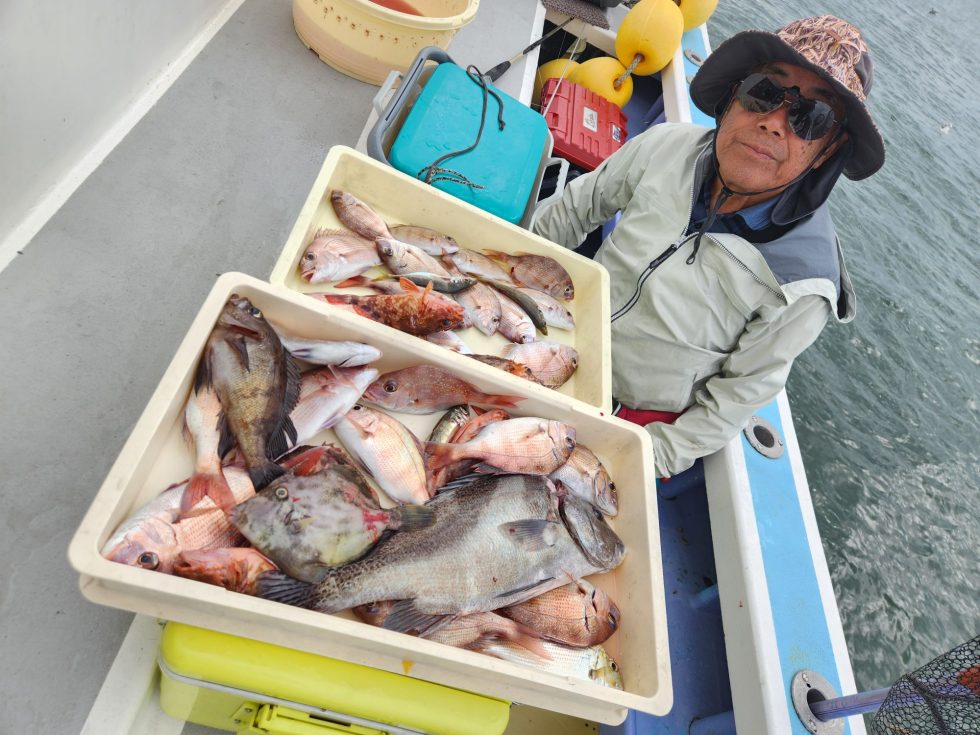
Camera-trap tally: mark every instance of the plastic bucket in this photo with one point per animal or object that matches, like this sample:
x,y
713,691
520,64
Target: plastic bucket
x,y
366,40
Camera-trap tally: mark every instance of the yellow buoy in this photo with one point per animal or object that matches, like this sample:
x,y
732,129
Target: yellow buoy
x,y
600,75
652,30
549,70
696,12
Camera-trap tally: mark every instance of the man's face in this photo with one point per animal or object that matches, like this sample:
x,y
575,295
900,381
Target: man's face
x,y
761,151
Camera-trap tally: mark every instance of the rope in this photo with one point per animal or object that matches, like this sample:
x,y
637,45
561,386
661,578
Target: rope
x,y
434,172
629,70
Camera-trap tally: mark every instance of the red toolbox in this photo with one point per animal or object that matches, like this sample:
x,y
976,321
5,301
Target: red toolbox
x,y
587,128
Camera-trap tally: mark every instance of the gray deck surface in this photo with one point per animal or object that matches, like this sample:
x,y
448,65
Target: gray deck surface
x,y
211,180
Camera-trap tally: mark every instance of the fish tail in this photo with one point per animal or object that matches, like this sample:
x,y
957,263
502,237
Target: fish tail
x,y
281,587
440,455
504,401
207,485
497,254
414,517
264,473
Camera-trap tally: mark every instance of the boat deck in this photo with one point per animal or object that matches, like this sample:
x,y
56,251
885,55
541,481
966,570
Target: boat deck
x,y
210,180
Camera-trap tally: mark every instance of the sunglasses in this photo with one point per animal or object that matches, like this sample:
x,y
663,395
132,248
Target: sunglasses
x,y
809,119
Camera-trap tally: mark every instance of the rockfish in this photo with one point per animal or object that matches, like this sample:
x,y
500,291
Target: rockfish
x,y
425,389
578,614
494,543
413,311
320,517
257,383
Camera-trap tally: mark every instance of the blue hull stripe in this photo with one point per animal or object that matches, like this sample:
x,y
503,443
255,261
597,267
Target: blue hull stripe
x,y
797,606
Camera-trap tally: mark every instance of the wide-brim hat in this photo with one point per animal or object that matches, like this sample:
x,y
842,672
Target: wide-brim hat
x,y
827,46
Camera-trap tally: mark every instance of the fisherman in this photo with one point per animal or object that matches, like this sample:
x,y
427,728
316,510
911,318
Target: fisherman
x,y
724,263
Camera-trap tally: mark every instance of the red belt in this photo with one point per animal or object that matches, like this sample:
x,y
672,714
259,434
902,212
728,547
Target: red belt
x,y
643,418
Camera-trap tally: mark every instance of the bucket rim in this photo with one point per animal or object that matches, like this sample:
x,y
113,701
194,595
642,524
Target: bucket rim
x,y
418,21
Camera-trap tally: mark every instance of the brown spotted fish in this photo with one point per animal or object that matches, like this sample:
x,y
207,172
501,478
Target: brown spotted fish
x,y
538,271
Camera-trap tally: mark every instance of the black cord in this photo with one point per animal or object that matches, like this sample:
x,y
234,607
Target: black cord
x,y
434,172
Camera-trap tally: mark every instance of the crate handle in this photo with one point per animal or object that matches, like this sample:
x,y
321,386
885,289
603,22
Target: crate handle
x,y
386,86
387,118
556,194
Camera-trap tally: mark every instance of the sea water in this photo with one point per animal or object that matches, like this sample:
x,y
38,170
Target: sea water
x,y
887,408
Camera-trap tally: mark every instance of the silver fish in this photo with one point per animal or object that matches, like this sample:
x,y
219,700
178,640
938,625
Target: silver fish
x,y
514,525
527,304
555,313
590,664
455,418
442,284
326,352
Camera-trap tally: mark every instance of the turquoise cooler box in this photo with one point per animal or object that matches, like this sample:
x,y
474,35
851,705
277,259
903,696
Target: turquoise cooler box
x,y
430,117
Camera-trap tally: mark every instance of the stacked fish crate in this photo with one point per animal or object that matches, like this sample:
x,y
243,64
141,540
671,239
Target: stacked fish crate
x,y
157,455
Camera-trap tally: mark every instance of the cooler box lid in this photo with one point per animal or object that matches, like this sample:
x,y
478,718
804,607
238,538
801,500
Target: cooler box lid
x,y
233,663
501,169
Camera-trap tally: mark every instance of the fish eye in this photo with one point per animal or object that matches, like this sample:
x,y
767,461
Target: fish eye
x,y
357,407
148,560
281,492
570,442
447,322
614,666
568,291
575,362
390,386
310,257
388,250
255,312
611,619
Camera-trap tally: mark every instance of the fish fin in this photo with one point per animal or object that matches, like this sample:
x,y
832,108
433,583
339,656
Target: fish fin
x,y
405,617
278,443
479,411
408,285
531,534
352,282
203,376
293,380
241,347
264,474
283,588
527,638
504,401
307,462
528,588
202,485
496,255
439,455
226,441
461,482
343,379
327,232
414,517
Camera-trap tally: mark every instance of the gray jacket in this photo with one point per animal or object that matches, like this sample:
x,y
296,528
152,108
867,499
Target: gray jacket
x,y
715,339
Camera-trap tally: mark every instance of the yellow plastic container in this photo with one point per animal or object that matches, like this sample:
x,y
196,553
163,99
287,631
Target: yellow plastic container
x,y
156,456
399,198
366,40
233,683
